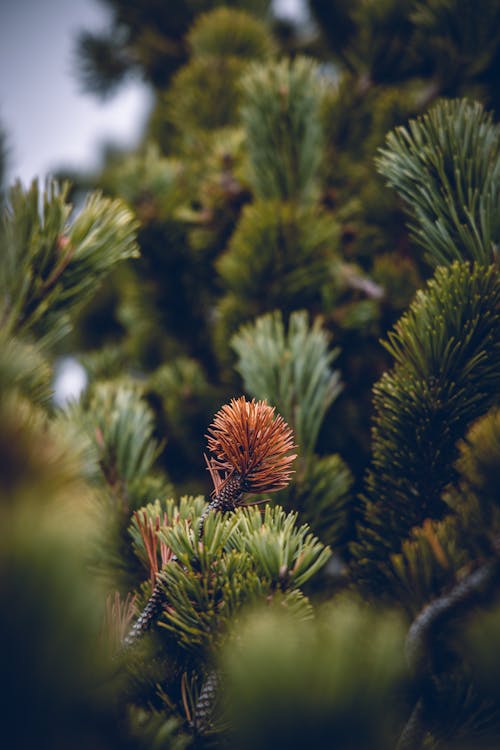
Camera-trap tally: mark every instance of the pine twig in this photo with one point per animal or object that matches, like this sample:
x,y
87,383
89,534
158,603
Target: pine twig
x,y
472,590
225,501
414,730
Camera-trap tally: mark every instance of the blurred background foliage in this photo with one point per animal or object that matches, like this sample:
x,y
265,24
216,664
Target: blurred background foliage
x,y
250,244
232,130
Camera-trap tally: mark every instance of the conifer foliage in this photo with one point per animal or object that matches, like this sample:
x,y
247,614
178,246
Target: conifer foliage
x,y
446,167
316,562
51,266
445,350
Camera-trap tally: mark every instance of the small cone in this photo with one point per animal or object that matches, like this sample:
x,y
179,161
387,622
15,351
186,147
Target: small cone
x,y
205,704
148,616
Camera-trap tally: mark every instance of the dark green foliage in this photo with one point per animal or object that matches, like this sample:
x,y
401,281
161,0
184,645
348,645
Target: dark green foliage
x,y
381,49
451,708
427,564
291,369
335,21
190,99
23,369
289,684
451,45
123,427
322,494
221,43
229,33
279,257
107,363
149,182
144,39
53,653
446,351
281,116
479,642
372,38
446,166
398,276
103,62
119,451
446,347
183,401
478,462
461,39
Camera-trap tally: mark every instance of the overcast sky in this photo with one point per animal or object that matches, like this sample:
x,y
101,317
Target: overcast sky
x,y
49,122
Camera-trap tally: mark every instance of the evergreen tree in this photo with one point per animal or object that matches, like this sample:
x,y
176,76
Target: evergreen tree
x,y
153,594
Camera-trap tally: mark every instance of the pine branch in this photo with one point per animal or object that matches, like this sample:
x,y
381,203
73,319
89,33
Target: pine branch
x,y
156,602
446,374
122,425
281,256
225,501
479,462
243,557
428,637
229,32
281,116
204,96
423,647
461,38
23,368
414,730
103,62
51,266
446,167
380,49
322,496
251,453
291,369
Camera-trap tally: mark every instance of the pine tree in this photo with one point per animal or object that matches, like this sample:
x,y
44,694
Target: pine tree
x,y
316,562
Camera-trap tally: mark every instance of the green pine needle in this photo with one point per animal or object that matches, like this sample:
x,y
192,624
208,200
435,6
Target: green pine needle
x,y
51,265
446,167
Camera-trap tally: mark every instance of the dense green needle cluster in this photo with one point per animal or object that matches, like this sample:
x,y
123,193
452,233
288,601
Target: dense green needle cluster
x,y
446,166
446,374
245,557
51,266
291,369
281,116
